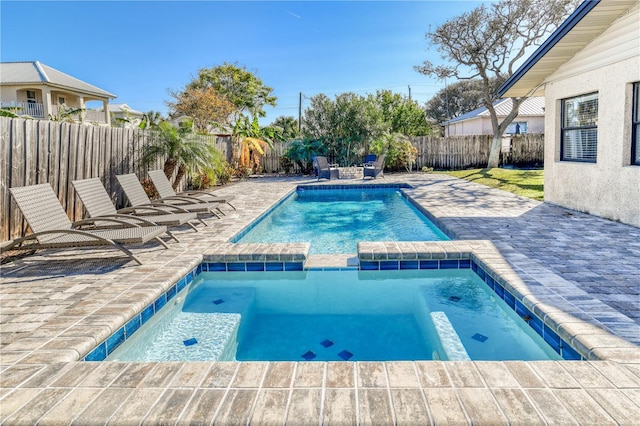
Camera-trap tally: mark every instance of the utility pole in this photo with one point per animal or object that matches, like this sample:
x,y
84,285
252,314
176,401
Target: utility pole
x,y
300,113
409,92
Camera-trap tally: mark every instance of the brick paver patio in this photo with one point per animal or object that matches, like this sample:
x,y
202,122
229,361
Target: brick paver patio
x,y
54,312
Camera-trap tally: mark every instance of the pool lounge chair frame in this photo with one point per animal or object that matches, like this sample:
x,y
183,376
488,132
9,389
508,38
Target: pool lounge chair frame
x,y
98,204
138,198
325,170
165,190
52,228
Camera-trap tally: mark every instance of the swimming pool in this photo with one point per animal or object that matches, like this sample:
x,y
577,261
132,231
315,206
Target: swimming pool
x,y
334,220
336,316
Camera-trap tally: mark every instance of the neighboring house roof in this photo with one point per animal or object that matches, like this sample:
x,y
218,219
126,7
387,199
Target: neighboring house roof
x,y
589,20
533,107
116,108
35,72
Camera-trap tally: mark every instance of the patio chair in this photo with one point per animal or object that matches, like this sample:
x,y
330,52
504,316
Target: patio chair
x,y
376,169
326,171
98,204
52,228
370,159
165,191
138,198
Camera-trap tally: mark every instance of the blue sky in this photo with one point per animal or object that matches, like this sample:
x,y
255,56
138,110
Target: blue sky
x,y
140,49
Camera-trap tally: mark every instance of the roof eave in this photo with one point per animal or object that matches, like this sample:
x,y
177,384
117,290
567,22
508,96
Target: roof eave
x,y
580,12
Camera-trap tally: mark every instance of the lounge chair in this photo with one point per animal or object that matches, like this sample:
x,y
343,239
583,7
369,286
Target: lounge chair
x,y
52,228
374,170
138,198
326,171
165,191
98,204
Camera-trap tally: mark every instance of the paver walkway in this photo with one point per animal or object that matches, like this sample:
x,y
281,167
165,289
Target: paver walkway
x,y
54,312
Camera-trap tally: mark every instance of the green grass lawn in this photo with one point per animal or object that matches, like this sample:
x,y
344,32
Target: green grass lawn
x,y
528,183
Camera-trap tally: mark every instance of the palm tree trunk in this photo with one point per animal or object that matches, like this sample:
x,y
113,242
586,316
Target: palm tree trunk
x,y
182,170
169,166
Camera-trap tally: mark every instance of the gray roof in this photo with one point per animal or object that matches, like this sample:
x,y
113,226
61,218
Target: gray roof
x,y
35,72
532,107
123,108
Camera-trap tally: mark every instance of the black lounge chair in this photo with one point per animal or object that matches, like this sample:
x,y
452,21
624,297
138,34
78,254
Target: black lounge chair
x,y
325,170
374,170
52,228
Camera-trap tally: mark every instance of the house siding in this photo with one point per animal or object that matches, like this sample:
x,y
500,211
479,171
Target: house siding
x,y
610,187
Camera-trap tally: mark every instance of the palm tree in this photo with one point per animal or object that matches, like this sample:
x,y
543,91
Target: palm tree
x,y
252,141
183,150
150,120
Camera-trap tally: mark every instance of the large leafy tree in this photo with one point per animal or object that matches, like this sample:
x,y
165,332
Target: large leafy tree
x,y
205,106
457,99
401,114
487,42
252,141
241,87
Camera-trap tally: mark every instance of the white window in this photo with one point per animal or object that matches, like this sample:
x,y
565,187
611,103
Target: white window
x,y
579,133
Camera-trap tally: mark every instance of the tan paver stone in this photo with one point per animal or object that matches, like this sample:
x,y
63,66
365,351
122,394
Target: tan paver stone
x,y
169,407
220,375
340,407
517,407
409,407
136,407
271,407
104,374
552,410
8,358
13,376
554,375
587,375
304,407
161,375
374,407
48,356
481,407
103,407
190,375
47,375
618,374
9,404
34,409
524,374
249,375
444,406
583,408
279,375
402,375
371,375
617,405
236,407
133,374
27,344
340,375
202,408
464,374
72,404
309,375
75,374
496,374
433,374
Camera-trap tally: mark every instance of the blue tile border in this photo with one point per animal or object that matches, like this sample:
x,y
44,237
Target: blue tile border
x,y
106,347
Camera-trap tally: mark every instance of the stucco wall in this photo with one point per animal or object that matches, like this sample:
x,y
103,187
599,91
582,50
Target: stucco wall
x,y
482,126
609,188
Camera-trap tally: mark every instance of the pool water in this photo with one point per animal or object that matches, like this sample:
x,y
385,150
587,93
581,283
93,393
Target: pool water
x,y
334,316
334,220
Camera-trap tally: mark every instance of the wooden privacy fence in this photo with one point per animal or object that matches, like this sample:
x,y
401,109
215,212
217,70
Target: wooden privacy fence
x,y
39,151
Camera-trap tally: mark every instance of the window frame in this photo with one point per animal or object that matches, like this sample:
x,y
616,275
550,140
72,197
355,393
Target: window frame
x,y
589,127
635,124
